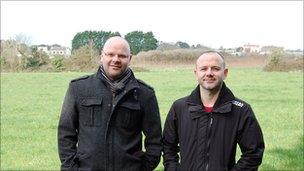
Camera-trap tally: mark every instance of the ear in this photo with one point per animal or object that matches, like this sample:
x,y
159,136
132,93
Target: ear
x,y
130,57
194,71
226,72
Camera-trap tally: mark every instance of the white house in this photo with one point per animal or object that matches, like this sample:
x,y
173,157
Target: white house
x,y
56,50
43,48
251,48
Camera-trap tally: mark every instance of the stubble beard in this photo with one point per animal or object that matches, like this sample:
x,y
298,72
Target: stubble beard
x,y
212,88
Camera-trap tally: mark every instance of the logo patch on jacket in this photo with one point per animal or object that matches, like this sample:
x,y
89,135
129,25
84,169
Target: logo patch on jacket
x,y
237,103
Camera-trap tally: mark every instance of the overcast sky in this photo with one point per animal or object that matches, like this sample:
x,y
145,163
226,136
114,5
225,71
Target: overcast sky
x,y
213,24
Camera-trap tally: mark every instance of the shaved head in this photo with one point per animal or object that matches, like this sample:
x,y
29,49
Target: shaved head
x,y
207,53
117,40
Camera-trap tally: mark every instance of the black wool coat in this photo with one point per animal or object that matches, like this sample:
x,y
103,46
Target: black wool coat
x,y
97,132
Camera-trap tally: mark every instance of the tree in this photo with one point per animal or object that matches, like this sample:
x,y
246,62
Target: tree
x,y
182,44
10,54
97,38
21,38
239,49
36,59
84,58
275,62
199,46
140,41
166,46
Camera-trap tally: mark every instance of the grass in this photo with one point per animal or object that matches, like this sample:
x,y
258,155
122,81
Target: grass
x,y
31,104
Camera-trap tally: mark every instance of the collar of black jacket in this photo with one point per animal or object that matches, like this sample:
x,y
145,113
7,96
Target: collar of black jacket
x,y
222,105
131,84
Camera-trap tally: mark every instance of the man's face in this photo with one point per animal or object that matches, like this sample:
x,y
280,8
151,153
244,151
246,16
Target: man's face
x,y
115,57
210,71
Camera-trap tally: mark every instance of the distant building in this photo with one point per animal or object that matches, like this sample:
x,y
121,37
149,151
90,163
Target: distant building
x,y
53,50
56,50
251,48
231,51
43,48
266,50
297,52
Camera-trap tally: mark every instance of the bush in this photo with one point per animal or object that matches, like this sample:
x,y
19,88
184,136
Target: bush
x,y
35,59
274,63
83,59
2,61
30,62
57,63
10,55
279,62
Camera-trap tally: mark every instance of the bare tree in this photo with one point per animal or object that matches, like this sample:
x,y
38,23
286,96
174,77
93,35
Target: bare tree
x,y
22,38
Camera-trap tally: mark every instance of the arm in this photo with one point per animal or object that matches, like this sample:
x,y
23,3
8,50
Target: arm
x,y
152,130
67,131
250,140
170,140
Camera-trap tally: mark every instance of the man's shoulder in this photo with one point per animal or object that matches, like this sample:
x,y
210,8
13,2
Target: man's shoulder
x,y
82,78
239,103
180,101
144,84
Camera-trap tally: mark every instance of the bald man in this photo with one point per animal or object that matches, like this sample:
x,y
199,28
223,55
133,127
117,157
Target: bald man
x,y
104,115
203,129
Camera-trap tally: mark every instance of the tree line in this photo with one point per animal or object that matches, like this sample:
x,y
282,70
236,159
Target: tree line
x,y
18,55
139,41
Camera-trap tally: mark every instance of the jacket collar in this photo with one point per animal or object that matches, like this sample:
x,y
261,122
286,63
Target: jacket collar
x,y
222,105
132,83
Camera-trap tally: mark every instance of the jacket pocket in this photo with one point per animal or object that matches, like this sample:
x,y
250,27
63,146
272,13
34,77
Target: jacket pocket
x,y
128,114
90,112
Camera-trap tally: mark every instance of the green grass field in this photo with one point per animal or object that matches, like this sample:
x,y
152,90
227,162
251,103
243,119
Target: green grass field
x,y
31,104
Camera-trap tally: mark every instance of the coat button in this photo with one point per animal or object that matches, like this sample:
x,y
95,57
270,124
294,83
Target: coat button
x,y
109,105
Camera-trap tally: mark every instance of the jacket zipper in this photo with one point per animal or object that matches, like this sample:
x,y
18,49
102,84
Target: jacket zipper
x,y
208,141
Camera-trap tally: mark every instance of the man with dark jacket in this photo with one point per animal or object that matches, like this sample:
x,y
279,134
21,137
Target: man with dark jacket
x,y
206,126
104,115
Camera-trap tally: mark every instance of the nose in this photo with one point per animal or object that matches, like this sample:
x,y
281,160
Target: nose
x,y
115,58
209,72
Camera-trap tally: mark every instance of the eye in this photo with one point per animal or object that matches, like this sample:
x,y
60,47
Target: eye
x,y
122,56
216,68
111,55
204,69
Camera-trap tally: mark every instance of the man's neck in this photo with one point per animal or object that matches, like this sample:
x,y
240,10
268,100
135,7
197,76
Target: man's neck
x,y
209,98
